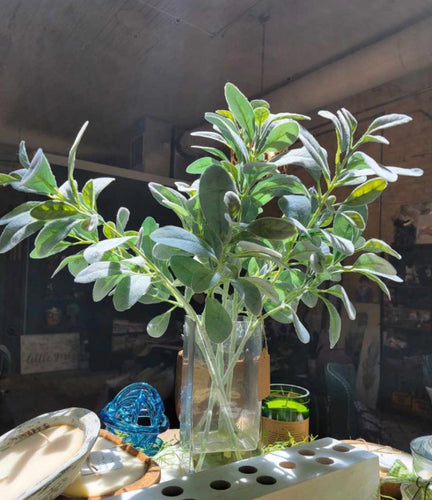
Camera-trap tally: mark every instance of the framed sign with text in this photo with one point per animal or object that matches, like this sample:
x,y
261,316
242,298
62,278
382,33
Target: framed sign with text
x,y
49,352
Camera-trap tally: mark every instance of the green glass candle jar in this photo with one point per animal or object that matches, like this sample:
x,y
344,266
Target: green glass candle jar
x,y
285,413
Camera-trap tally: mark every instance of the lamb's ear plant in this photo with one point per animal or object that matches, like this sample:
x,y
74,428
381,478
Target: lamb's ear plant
x,y
248,264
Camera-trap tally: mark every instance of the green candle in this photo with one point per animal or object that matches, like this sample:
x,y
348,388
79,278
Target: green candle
x,y
287,403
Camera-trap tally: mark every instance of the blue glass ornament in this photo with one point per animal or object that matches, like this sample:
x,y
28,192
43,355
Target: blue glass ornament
x,y
137,415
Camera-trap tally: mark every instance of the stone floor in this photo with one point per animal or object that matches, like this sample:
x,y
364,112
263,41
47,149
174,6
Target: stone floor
x,y
403,428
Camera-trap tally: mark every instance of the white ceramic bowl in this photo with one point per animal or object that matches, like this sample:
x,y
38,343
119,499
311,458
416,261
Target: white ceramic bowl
x,y
53,485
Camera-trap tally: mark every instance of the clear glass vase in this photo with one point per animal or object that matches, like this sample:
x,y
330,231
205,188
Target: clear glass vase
x,y
219,407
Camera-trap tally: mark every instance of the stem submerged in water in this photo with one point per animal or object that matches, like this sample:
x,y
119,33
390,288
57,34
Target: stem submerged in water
x,y
221,422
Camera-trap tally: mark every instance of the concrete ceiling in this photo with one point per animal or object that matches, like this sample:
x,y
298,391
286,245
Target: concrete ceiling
x,y
116,61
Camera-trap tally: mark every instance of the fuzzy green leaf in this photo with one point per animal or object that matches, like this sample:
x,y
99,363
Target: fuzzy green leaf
x,y
94,253
177,237
281,135
241,109
264,286
339,243
52,234
377,246
361,160
366,193
303,158
22,155
217,321
272,228
100,183
191,273
198,166
88,194
38,178
50,210
249,294
73,150
340,292
296,207
130,290
67,260
18,229
301,330
122,219
214,184
334,324
318,153
20,209
103,286
375,265
98,270
6,179
159,324
387,121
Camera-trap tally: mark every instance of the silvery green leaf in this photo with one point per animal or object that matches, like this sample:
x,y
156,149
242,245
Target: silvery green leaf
x,y
361,158
259,249
103,286
198,166
376,265
94,253
100,183
129,290
214,184
217,321
339,243
50,210
249,293
52,234
22,156
241,108
296,207
38,178
366,193
377,246
281,134
19,210
272,228
73,150
387,121
122,218
98,270
18,229
335,323
301,157
342,139
352,122
265,287
213,151
159,324
177,237
301,330
340,292
318,154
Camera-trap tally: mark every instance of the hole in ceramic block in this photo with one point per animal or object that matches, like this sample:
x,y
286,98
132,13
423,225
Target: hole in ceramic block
x,y
266,480
172,491
288,465
247,469
340,448
307,453
324,461
220,485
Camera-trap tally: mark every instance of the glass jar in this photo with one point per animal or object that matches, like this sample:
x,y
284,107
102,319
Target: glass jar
x,y
285,414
